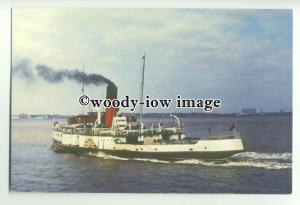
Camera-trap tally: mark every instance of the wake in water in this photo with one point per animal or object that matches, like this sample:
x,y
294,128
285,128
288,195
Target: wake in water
x,y
245,159
249,159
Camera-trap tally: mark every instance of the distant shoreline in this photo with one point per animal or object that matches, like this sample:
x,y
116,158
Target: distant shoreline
x,y
181,114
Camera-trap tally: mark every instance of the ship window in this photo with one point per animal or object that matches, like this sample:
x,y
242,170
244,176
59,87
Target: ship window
x,y
155,148
141,148
136,149
205,147
191,149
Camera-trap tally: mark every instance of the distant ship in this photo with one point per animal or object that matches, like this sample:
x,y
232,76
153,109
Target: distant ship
x,y
24,116
125,136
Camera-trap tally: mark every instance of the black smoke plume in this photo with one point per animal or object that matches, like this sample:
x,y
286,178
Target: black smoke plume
x,y
23,69
53,76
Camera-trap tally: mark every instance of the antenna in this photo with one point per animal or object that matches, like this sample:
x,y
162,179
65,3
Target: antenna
x,y
142,88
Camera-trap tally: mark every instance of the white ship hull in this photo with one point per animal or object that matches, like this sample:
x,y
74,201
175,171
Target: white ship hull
x,y
206,148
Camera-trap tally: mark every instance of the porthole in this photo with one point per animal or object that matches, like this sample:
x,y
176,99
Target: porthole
x,y
205,147
191,149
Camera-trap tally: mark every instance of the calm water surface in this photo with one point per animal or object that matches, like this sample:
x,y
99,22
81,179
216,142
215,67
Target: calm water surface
x,y
264,168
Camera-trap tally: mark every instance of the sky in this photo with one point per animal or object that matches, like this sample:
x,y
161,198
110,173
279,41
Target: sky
x,y
243,57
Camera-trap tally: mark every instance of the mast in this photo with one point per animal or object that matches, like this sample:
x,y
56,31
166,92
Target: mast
x,y
83,86
235,128
142,88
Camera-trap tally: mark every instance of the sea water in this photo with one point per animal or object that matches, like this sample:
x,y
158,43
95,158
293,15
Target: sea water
x,y
265,166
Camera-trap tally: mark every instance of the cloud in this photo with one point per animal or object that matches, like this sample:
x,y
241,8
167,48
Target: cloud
x,y
195,52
